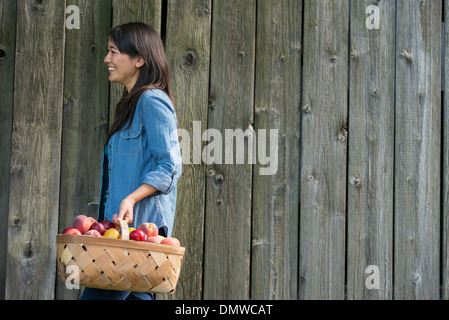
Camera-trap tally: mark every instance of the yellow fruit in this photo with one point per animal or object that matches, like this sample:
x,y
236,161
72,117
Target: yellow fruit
x,y
112,233
131,229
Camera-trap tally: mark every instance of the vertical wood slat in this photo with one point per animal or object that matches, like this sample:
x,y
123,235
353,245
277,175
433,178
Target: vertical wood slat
x,y
324,147
274,256
124,11
418,150
85,116
445,180
228,187
7,48
36,146
371,151
188,51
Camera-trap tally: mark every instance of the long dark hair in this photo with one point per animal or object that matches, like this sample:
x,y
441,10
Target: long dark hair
x,y
139,39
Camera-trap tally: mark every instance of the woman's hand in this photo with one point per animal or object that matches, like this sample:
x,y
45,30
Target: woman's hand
x,y
127,206
125,212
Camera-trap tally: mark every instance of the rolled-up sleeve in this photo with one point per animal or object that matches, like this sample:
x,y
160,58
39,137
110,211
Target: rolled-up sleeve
x,y
160,124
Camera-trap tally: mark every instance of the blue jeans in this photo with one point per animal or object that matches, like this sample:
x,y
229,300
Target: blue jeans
x,y
100,294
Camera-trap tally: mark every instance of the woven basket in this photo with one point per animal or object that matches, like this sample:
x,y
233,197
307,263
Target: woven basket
x,y
120,264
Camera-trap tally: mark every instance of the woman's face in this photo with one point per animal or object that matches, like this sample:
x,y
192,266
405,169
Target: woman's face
x,y
122,68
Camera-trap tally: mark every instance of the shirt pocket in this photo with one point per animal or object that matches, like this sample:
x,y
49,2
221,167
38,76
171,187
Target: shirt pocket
x,y
130,142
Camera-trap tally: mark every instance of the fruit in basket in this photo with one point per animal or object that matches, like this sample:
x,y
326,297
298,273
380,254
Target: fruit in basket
x,y
82,223
98,227
137,235
171,242
131,229
72,231
107,224
112,233
93,233
150,229
156,239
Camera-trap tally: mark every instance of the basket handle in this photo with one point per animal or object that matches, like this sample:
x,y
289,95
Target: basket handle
x,y
124,229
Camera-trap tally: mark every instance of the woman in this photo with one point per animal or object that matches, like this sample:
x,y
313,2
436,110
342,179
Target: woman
x,y
141,162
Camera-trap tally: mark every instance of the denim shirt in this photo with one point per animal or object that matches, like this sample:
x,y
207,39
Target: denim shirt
x,y
147,152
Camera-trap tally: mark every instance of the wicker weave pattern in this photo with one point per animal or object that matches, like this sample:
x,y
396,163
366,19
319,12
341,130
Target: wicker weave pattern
x,y
119,268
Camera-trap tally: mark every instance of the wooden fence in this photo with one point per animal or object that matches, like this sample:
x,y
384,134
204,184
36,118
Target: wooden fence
x,y
357,208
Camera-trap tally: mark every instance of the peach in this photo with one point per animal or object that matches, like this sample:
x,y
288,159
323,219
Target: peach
x,y
171,242
93,233
82,223
150,229
154,239
71,231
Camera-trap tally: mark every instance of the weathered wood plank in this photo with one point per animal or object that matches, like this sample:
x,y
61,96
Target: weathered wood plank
x,y
85,116
274,255
445,172
228,188
124,11
36,146
7,48
418,150
188,51
371,151
324,146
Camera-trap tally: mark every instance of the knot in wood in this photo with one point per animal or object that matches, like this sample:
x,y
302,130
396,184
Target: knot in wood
x,y
342,134
307,109
407,55
189,60
417,278
28,250
211,103
38,7
2,54
356,182
15,222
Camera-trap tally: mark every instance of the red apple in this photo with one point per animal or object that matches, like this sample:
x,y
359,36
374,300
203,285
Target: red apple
x,y
150,229
99,227
171,242
66,229
154,239
107,224
137,235
93,233
71,231
82,223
